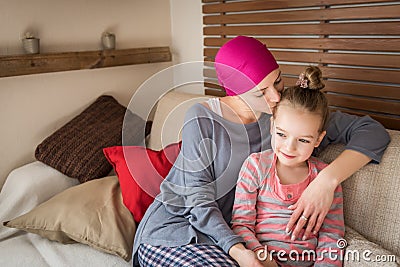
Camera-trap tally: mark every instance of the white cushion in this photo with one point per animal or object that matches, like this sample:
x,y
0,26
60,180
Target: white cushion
x,y
28,186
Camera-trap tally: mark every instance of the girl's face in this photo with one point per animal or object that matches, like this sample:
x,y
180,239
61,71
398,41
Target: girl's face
x,y
295,134
265,96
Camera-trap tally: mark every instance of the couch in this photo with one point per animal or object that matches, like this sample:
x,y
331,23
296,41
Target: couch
x,y
371,207
371,196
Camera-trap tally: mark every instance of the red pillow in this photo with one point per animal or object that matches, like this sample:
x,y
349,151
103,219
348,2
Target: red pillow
x,y
140,179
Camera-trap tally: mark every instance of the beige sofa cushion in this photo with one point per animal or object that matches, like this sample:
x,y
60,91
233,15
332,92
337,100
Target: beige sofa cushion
x,y
372,196
169,117
362,253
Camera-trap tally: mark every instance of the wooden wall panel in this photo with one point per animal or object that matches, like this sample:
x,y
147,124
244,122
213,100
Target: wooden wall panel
x,y
356,43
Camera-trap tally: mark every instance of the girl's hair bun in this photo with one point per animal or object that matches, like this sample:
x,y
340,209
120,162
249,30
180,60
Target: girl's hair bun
x,y
314,76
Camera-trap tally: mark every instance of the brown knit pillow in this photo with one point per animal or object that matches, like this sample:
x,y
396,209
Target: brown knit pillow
x,y
76,149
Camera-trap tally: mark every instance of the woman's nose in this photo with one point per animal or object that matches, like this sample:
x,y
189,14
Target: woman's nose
x,y
273,95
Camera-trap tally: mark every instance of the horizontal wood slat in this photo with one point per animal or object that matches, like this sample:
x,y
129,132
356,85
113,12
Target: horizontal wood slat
x,y
211,1
370,90
276,4
213,92
364,104
358,44
377,12
363,28
368,75
212,84
388,61
210,73
53,62
357,89
391,122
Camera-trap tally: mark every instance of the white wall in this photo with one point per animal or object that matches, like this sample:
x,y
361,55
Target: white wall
x,y
33,106
187,43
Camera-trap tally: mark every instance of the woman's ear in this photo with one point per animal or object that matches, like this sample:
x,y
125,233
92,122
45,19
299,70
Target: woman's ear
x,y
320,137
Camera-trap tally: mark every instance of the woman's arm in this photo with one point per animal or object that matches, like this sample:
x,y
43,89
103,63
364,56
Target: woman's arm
x,y
189,190
362,134
365,140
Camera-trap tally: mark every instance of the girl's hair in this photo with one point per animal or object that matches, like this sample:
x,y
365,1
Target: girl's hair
x,y
307,95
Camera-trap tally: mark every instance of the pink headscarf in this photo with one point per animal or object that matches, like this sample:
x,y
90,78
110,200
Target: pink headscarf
x,y
242,63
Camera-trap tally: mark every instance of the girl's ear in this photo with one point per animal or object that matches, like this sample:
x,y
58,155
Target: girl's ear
x,y
320,137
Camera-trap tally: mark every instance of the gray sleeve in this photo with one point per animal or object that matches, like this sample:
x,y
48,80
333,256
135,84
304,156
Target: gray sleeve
x,y
189,189
362,134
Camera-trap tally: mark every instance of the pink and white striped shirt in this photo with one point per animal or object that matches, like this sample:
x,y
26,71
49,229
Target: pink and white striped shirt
x,y
260,214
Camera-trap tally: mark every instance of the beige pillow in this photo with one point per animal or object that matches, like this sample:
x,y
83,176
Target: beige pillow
x,y
91,213
169,118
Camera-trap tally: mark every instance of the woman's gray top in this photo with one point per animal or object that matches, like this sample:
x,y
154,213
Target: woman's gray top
x,y
196,198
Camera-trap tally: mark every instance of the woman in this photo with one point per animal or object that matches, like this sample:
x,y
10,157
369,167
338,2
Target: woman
x,y
188,223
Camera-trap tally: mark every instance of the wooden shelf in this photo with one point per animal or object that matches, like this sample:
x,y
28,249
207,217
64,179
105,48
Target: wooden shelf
x,y
52,62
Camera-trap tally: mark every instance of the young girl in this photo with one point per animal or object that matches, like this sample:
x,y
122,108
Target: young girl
x,y
272,180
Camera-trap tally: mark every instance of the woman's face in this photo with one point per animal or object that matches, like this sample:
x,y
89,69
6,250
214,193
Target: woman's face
x,y
265,96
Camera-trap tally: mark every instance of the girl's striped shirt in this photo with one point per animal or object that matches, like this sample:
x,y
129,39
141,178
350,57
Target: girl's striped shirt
x,y
260,214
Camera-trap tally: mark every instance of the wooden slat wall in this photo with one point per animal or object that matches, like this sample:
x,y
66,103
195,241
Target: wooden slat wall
x,y
356,43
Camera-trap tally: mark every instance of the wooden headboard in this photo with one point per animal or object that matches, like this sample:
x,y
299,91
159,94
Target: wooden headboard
x,y
355,43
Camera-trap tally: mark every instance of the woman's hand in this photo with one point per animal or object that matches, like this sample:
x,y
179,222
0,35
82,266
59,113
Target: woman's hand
x,y
316,200
311,208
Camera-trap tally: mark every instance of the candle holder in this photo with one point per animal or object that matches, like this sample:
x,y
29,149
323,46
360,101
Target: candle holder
x,y
108,40
31,44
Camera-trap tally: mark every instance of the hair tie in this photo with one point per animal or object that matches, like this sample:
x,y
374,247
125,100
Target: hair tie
x,y
302,81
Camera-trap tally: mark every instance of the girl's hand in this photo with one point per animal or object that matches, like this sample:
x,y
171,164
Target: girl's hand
x,y
265,259
269,264
311,208
244,257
